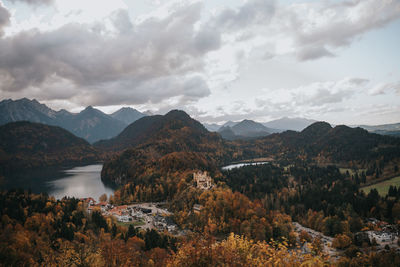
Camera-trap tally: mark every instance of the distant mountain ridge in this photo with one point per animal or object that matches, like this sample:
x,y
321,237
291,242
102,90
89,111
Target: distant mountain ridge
x,y
392,129
250,128
25,110
212,127
244,129
275,126
127,115
90,124
285,123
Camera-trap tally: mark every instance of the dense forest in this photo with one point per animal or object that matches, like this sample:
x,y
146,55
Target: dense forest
x,y
246,217
26,145
305,192
39,231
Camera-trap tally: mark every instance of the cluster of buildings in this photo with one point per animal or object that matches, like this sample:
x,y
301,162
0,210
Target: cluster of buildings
x,y
383,234
148,215
144,215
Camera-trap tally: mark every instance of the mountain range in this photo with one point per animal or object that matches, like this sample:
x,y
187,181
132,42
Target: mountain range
x,y
90,124
94,125
293,124
285,123
275,126
177,141
322,143
385,129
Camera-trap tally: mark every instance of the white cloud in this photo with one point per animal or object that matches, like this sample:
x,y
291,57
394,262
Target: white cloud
x,y
315,99
325,26
383,88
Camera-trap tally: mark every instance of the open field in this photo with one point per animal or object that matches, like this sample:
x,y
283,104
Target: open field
x,y
351,171
383,187
134,223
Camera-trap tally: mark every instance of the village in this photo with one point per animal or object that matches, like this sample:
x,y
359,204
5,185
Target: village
x,y
384,236
152,215
142,215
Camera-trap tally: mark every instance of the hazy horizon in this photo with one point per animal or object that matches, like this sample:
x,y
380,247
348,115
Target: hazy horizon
x,y
220,123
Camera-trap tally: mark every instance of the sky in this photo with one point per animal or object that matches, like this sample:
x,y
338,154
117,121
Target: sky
x,y
219,60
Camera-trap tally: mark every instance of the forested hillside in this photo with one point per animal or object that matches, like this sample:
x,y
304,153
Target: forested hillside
x,y
26,145
158,145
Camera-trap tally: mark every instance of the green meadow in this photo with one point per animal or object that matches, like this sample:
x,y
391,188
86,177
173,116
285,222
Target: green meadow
x,y
383,187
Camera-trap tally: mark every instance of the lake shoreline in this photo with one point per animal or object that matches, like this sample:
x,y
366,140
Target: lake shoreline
x,y
83,180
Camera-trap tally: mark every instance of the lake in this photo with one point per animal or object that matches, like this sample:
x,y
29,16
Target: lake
x,y
239,165
79,182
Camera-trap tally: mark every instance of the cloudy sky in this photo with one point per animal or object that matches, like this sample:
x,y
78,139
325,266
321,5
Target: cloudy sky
x,y
219,60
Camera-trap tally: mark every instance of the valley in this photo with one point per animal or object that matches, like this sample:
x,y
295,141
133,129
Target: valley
x,y
283,187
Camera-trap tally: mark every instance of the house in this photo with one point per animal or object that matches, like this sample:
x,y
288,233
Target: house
x,y
119,210
203,180
124,218
146,211
197,208
88,200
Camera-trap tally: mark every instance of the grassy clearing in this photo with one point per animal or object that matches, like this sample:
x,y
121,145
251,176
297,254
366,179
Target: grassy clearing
x,y
383,187
134,223
351,171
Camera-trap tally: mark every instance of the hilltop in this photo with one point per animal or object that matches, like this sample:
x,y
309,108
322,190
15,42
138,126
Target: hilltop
x,y
158,143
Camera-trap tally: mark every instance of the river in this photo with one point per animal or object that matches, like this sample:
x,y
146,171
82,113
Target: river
x,y
76,182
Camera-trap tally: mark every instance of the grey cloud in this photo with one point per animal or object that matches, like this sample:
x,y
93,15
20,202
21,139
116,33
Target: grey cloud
x,y
313,52
309,100
324,96
207,39
383,88
34,2
148,62
325,93
122,21
4,18
250,13
359,81
344,21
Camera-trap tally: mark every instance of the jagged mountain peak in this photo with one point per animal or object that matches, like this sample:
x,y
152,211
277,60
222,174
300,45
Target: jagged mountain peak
x,y
127,115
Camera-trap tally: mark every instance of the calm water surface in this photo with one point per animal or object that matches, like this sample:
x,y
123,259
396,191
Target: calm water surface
x,y
75,182
239,165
